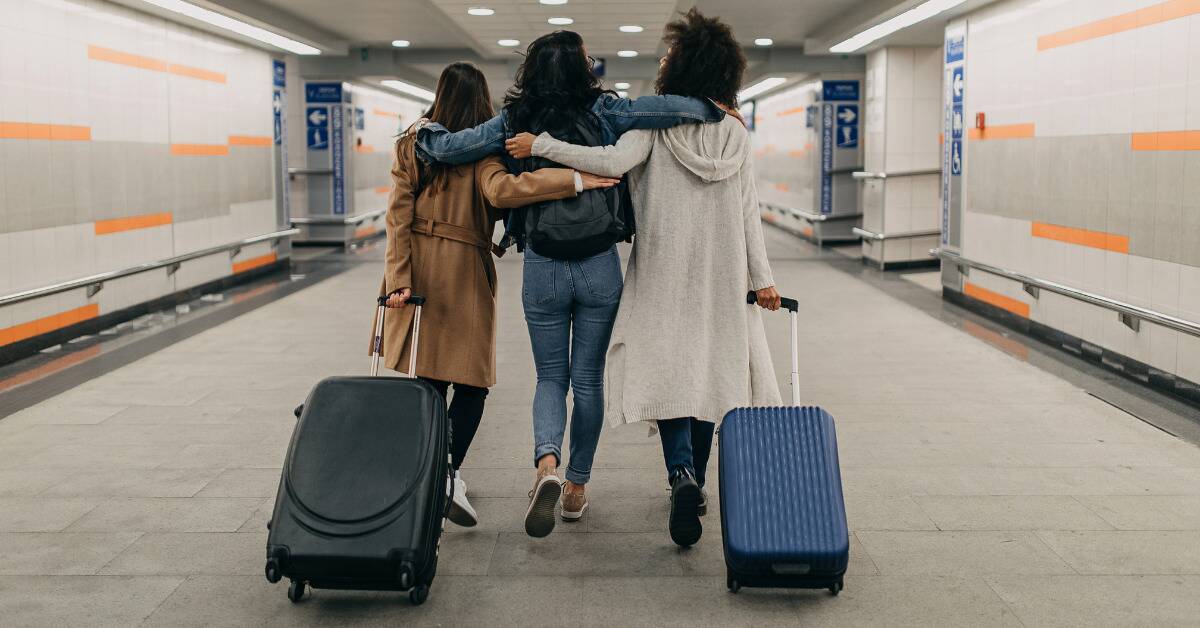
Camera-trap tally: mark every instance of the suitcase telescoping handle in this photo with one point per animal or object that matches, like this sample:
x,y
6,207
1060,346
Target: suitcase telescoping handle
x,y
793,307
377,342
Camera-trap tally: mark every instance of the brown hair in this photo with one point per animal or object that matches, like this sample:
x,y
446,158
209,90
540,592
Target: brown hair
x,y
704,60
462,101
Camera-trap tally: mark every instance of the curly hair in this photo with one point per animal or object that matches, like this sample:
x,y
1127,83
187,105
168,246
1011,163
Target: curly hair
x,y
703,60
553,85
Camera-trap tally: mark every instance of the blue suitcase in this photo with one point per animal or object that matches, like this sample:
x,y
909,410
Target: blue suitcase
x,y
785,528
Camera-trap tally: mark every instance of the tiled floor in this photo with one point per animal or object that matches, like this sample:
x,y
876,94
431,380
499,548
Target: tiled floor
x,y
981,490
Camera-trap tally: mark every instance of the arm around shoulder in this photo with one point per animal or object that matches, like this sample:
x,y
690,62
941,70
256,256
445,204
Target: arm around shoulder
x,y
610,161
505,190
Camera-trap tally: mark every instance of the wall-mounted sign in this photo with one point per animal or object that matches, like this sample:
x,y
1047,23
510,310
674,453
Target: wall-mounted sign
x,y
841,90
323,92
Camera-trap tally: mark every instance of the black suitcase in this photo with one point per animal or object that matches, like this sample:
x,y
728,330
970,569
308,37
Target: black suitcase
x,y
363,495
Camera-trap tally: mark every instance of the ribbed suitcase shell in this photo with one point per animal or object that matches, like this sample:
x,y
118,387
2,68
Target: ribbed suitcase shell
x,y
782,511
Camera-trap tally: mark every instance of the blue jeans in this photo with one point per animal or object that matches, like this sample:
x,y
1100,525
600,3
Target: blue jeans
x,y
570,307
686,443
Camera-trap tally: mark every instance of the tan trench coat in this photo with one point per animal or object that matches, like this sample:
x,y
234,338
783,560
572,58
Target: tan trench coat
x,y
440,246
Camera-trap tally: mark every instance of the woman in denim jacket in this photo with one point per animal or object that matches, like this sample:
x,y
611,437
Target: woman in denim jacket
x,y
570,306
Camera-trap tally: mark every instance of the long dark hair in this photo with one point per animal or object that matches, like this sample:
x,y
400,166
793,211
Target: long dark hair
x,y
461,102
704,60
553,85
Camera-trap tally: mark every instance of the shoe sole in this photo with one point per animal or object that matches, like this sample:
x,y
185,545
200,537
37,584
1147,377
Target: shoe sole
x,y
461,516
572,517
539,518
685,523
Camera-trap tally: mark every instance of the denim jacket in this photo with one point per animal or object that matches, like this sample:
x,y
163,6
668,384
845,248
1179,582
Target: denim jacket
x,y
617,115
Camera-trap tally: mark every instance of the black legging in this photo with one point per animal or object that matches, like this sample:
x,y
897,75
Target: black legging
x,y
465,412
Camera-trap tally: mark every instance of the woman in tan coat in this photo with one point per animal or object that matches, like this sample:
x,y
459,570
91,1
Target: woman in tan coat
x,y
439,229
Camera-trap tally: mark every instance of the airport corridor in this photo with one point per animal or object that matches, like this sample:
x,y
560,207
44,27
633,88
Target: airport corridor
x,y
981,489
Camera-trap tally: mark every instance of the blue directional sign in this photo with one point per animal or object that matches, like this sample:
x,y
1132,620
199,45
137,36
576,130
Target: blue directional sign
x,y
847,115
323,92
279,73
318,138
847,137
277,104
317,117
840,90
956,121
956,48
956,157
956,84
360,118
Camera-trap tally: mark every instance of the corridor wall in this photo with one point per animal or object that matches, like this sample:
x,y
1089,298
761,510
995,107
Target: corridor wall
x,y
1086,171
125,138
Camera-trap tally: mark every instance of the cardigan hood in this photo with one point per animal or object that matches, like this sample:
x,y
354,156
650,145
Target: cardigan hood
x,y
713,152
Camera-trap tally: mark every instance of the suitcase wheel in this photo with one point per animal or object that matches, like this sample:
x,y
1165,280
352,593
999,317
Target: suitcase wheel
x,y
836,587
296,591
272,571
419,594
733,584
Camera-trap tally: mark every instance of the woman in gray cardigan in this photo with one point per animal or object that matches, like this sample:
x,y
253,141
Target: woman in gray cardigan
x,y
686,348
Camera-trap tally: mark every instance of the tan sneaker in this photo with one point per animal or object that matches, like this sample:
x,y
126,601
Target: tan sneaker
x,y
539,517
574,502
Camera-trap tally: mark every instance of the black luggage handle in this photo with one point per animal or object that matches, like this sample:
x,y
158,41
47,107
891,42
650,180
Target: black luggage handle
x,y
790,305
377,342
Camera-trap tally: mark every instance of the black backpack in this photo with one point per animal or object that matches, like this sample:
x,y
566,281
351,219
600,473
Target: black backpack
x,y
572,228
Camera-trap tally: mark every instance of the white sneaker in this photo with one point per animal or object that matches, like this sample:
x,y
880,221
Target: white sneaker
x,y
461,512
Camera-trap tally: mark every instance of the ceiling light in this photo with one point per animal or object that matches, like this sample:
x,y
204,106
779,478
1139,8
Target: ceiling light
x,y
900,22
623,94
763,41
760,87
509,43
560,21
408,88
237,26
626,53
402,43
631,28
621,85
553,1
480,11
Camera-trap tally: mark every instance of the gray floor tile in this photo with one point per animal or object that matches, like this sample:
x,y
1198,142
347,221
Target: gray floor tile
x,y
960,553
191,553
132,483
168,514
1101,601
60,554
1147,512
242,483
81,600
466,552
24,482
1006,512
1127,552
885,512
37,514
612,554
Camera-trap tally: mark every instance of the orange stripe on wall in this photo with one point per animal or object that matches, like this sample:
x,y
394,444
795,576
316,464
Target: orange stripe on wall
x,y
390,114
383,189
1163,12
363,232
17,333
31,131
1002,132
196,73
250,140
364,148
54,366
995,298
124,58
791,112
1082,237
1171,140
254,262
199,149
145,221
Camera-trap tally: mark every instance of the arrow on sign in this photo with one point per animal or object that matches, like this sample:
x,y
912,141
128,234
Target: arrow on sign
x,y
958,85
317,117
848,116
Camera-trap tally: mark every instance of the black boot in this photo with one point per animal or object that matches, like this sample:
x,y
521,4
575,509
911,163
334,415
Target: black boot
x,y
686,497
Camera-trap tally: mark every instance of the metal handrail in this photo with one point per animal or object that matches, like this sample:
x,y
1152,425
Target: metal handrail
x,y
98,279
892,175
334,220
1129,313
302,171
871,235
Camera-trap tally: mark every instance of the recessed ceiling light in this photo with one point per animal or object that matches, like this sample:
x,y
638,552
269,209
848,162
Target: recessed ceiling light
x,y
899,22
763,41
623,94
402,43
480,11
760,87
621,85
553,1
560,21
631,28
509,43
626,53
